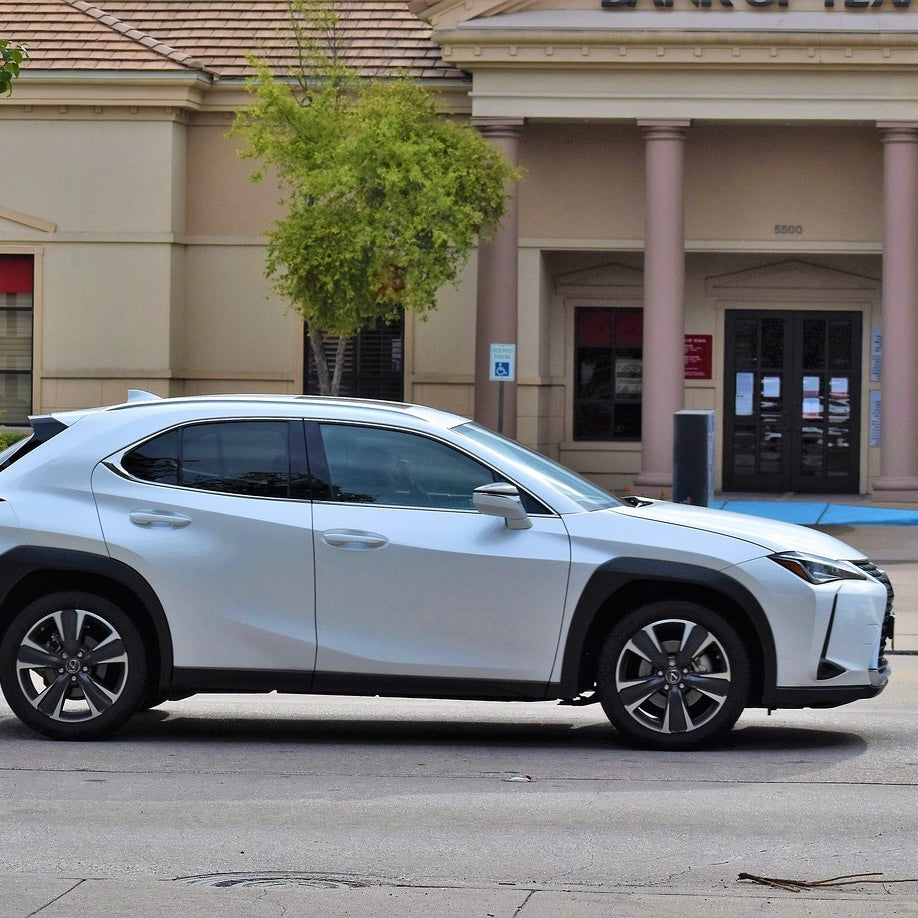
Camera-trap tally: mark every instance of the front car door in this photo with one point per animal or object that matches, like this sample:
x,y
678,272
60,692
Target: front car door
x,y
412,581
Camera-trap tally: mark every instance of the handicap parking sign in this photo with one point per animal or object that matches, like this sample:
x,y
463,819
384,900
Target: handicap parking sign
x,y
503,362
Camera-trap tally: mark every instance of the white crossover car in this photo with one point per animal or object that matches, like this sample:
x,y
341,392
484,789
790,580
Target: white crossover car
x,y
164,547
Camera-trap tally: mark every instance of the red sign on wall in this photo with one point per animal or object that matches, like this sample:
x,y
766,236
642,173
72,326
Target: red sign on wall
x,y
699,361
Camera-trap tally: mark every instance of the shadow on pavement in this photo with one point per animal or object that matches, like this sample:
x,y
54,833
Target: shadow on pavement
x,y
156,726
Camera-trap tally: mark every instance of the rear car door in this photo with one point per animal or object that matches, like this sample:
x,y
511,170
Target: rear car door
x,y
412,581
216,517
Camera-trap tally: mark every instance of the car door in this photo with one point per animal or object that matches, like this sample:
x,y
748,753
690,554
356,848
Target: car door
x,y
412,581
216,518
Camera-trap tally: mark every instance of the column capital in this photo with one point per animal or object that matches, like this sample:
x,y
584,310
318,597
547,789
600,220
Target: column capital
x,y
491,127
664,128
898,131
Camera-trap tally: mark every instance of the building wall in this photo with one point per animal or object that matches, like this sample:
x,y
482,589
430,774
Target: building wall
x,y
101,202
581,229
149,235
152,267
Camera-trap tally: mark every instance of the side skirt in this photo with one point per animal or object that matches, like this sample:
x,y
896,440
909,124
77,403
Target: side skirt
x,y
186,681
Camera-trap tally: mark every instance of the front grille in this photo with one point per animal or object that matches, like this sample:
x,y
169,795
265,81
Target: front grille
x,y
889,619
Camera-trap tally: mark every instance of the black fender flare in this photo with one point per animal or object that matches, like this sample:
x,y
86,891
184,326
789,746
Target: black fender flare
x,y
618,574
25,560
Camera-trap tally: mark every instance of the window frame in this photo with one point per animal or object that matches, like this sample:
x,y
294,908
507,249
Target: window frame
x,y
299,482
7,307
319,464
617,351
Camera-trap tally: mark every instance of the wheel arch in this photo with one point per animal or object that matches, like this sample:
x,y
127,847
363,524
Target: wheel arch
x,y
29,572
623,584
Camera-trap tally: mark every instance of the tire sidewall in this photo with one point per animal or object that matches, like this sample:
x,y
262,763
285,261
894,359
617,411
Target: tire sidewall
x,y
127,702
658,611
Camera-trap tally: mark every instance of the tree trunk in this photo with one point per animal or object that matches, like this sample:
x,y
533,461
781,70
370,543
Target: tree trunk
x,y
329,377
339,366
317,346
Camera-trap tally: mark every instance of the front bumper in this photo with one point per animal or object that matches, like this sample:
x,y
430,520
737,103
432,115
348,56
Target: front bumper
x,y
823,696
841,639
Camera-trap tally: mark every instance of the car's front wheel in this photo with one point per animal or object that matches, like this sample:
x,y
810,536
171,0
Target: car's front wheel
x,y
673,675
72,666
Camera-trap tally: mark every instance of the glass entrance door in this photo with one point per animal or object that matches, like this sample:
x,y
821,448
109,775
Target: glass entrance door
x,y
792,401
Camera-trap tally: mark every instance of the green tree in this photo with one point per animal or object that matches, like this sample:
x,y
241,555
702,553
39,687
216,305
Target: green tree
x,y
385,198
11,57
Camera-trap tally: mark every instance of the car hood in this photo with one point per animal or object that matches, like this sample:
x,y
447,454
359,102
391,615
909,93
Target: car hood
x,y
771,535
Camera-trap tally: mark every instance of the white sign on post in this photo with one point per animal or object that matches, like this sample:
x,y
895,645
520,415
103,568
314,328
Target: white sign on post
x,y
503,363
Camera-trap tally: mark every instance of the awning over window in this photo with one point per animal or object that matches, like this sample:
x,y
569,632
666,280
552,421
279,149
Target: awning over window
x,y
16,274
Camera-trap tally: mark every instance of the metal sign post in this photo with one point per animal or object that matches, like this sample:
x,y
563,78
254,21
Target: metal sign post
x,y
502,369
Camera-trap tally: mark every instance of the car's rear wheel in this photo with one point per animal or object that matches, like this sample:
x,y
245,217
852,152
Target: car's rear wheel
x,y
72,666
673,675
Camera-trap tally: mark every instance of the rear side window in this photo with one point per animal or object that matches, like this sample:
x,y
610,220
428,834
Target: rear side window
x,y
248,458
43,429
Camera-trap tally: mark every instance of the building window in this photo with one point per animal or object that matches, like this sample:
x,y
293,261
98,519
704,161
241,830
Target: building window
x,y
16,304
607,374
373,363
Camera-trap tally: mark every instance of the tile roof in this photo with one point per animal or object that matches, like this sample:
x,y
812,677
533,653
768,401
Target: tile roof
x,y
380,36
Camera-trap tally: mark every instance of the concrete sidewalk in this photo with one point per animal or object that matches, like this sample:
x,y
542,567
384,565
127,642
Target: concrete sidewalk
x,y
23,897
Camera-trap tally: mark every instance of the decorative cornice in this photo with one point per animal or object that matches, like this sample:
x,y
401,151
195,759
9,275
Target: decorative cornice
x,y
469,50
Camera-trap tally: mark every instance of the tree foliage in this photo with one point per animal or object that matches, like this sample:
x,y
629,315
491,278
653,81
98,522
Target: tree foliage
x,y
11,58
385,198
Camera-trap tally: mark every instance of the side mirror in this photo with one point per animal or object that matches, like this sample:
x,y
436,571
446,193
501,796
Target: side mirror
x,y
502,499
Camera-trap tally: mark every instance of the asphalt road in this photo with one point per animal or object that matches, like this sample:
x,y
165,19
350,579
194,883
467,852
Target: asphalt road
x,y
428,807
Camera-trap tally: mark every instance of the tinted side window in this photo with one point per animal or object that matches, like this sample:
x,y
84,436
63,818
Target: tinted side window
x,y
250,458
156,460
378,466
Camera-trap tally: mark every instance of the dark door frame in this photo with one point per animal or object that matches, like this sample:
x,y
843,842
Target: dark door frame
x,y
783,449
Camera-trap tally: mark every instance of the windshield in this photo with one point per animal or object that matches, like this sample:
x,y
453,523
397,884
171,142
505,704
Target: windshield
x,y
578,489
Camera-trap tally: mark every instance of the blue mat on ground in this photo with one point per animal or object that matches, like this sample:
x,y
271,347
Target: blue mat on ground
x,y
811,514
842,514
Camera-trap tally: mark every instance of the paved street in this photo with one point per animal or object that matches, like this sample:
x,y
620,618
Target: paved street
x,y
263,806
332,806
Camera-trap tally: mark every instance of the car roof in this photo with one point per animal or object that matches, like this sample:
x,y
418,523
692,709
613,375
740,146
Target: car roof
x,y
240,404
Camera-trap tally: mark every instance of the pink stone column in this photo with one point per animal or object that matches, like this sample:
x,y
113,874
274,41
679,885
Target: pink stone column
x,y
664,295
496,314
899,433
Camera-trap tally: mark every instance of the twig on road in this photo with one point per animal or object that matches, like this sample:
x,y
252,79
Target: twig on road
x,y
850,879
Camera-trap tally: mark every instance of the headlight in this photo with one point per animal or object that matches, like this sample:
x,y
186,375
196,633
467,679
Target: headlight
x,y
817,570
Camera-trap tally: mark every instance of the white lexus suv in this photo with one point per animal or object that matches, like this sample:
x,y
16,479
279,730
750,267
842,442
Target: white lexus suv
x,y
164,547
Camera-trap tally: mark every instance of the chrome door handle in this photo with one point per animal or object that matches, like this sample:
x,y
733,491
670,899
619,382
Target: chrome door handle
x,y
353,539
159,518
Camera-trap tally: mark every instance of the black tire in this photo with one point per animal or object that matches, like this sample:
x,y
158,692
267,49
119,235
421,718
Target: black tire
x,y
72,666
673,675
